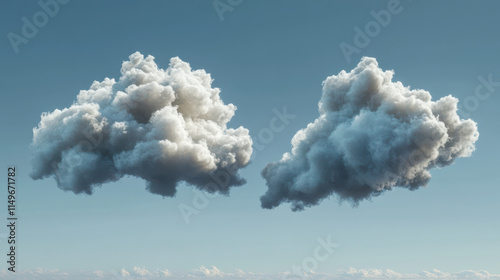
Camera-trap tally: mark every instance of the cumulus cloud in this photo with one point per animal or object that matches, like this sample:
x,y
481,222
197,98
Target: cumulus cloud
x,y
382,274
353,273
124,273
163,125
208,272
372,134
165,273
141,271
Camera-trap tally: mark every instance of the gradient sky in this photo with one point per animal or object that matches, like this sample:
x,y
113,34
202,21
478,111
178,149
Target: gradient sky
x,y
263,55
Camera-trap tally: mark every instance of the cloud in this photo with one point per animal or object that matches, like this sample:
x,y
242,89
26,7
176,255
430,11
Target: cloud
x,y
213,272
141,271
207,272
466,274
124,273
198,274
165,273
372,134
165,126
352,273
433,274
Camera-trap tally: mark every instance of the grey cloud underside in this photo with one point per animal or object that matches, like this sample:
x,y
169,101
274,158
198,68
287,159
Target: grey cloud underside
x,y
372,134
165,126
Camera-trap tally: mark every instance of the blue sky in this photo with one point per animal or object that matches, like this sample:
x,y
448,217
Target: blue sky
x,y
262,55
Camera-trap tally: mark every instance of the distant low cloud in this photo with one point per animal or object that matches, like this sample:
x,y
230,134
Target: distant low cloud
x,y
208,272
141,271
204,273
165,126
383,274
372,134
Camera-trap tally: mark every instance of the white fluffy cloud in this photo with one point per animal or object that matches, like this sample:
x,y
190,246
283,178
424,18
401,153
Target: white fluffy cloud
x,y
162,125
141,271
372,134
208,272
